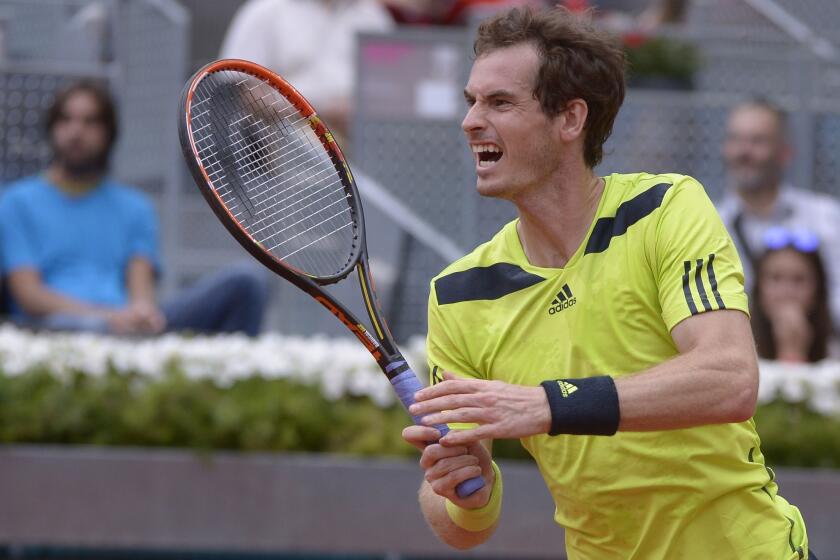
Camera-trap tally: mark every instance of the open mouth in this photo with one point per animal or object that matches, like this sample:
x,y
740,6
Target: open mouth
x,y
488,154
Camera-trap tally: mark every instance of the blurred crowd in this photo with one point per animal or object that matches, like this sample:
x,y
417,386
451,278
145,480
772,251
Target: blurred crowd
x,y
79,251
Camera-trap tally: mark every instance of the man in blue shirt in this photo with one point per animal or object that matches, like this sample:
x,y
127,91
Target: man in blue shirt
x,y
80,252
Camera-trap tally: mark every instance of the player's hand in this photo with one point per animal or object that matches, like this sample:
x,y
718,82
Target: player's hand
x,y
445,468
501,410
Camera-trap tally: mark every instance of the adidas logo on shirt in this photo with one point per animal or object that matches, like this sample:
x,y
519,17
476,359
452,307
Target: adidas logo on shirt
x,y
564,300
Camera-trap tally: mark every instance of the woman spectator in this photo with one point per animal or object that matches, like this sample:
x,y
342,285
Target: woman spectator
x,y
790,311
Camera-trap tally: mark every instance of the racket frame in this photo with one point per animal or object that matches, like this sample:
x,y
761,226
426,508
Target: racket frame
x,y
384,349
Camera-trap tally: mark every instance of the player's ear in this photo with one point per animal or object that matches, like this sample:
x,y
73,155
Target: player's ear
x,y
572,120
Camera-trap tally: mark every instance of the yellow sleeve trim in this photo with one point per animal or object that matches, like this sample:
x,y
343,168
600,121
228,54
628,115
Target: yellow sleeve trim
x,y
482,518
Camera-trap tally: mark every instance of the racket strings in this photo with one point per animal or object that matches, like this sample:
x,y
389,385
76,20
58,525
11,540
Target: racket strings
x,y
273,173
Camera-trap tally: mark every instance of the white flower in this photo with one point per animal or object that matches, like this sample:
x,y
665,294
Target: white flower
x,y
339,366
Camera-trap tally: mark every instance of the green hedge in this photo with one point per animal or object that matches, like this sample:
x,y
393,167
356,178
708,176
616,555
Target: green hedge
x,y
259,414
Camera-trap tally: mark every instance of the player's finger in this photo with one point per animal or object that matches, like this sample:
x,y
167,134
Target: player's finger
x,y
448,387
436,452
446,466
420,436
446,402
464,438
460,415
446,485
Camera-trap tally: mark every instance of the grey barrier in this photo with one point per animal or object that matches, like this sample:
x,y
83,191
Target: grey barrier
x,y
179,501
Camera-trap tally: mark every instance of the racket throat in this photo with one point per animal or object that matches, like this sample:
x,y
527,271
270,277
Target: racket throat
x,y
365,337
395,367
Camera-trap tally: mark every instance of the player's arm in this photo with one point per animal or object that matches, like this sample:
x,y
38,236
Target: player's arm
x,y
463,523
713,380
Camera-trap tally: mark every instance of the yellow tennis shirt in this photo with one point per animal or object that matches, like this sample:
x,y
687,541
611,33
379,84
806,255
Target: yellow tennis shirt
x,y
656,253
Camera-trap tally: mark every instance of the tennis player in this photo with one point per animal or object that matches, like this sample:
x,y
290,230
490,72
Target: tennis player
x,y
606,327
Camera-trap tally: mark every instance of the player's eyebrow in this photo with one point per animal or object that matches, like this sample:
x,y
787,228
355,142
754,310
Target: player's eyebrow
x,y
492,95
499,93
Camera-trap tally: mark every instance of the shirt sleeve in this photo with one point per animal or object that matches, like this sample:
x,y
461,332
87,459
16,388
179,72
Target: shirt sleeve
x,y
144,239
695,260
443,350
18,245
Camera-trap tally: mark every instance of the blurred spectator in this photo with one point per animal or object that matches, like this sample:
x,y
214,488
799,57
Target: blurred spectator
x,y
311,43
790,311
450,12
638,15
757,153
80,251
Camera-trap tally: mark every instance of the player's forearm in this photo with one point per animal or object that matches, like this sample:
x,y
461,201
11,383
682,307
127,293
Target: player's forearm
x,y
690,390
434,510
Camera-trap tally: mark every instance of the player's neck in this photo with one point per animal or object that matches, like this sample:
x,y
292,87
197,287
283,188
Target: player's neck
x,y
70,183
760,201
554,222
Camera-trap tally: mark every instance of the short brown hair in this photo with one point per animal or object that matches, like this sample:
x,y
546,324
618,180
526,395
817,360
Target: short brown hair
x,y
576,62
107,107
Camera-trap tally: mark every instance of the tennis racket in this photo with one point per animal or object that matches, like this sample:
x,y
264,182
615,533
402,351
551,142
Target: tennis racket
x,y
273,174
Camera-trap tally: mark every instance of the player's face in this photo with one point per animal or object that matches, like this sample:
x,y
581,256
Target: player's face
x,y
513,142
788,278
79,137
754,150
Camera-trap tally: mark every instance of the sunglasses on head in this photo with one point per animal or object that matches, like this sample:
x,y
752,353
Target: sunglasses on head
x,y
802,240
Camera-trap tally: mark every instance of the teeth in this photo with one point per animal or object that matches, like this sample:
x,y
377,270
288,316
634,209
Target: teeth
x,y
485,148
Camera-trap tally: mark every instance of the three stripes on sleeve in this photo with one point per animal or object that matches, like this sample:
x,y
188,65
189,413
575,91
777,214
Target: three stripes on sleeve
x,y
700,274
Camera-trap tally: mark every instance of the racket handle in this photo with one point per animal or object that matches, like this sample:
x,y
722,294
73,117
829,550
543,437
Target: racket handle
x,y
406,384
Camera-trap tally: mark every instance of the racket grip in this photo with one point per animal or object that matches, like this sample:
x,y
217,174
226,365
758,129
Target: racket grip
x,y
405,385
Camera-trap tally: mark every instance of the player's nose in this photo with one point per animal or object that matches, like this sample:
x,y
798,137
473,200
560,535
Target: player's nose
x,y
474,120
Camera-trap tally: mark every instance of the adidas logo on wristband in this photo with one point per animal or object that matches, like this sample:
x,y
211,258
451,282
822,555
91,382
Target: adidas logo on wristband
x,y
566,388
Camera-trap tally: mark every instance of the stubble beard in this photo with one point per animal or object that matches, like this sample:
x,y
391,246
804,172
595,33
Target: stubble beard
x,y
82,167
